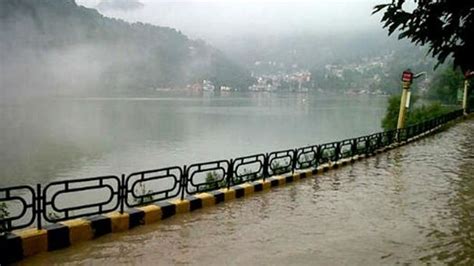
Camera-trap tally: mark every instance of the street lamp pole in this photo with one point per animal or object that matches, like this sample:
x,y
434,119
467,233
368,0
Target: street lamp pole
x,y
407,80
467,76
403,105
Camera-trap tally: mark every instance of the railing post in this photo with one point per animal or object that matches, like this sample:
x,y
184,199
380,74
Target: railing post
x,y
265,167
315,157
337,151
295,159
39,207
390,138
354,147
318,156
379,140
184,180
5,226
367,146
230,173
123,193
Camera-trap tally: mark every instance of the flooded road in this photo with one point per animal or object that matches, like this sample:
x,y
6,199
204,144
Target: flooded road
x,y
414,204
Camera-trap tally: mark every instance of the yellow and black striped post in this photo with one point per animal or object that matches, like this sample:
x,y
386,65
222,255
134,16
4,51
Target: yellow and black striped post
x,y
403,105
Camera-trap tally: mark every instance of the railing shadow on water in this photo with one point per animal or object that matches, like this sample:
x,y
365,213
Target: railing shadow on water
x,y
26,206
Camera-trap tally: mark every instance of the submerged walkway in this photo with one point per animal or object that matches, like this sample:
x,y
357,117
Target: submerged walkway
x,y
413,204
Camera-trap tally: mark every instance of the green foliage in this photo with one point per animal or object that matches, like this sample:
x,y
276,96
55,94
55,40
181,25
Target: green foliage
x,y
446,26
346,151
247,176
280,168
361,146
414,115
143,194
307,159
445,85
391,114
4,213
380,73
426,112
213,181
327,154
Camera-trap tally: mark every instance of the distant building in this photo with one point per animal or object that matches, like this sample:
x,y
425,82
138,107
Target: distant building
x,y
208,85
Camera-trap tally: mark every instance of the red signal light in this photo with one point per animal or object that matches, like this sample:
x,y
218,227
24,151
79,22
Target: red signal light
x,y
407,76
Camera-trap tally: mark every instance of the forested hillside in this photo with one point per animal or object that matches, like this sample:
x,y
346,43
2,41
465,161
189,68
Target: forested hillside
x,y
354,62
56,46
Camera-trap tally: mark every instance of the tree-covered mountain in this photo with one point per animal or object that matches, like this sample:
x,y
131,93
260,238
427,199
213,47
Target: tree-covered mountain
x,y
57,46
379,73
354,62
366,60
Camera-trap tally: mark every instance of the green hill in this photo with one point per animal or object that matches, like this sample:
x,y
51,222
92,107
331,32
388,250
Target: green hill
x,y
57,46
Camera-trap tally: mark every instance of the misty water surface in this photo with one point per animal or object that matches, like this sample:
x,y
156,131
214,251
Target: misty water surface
x,y
61,138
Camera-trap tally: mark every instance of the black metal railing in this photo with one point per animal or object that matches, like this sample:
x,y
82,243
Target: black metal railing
x,y
307,157
249,168
281,162
202,177
103,194
63,200
150,186
25,198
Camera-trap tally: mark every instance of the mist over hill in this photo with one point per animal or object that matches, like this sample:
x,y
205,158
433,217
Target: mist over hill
x,y
60,48
119,5
339,43
367,62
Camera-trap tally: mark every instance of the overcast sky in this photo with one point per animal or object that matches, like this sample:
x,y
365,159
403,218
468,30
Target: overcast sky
x,y
213,19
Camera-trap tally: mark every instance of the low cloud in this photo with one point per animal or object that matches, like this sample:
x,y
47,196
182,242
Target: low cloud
x,y
119,5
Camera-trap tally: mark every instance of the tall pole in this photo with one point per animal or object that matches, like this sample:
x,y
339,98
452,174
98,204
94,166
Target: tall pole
x,y
403,105
464,98
407,80
467,75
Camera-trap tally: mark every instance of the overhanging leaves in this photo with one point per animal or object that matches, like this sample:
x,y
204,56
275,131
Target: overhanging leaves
x,y
447,27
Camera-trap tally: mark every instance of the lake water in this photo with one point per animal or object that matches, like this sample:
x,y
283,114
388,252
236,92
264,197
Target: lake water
x,y
62,138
